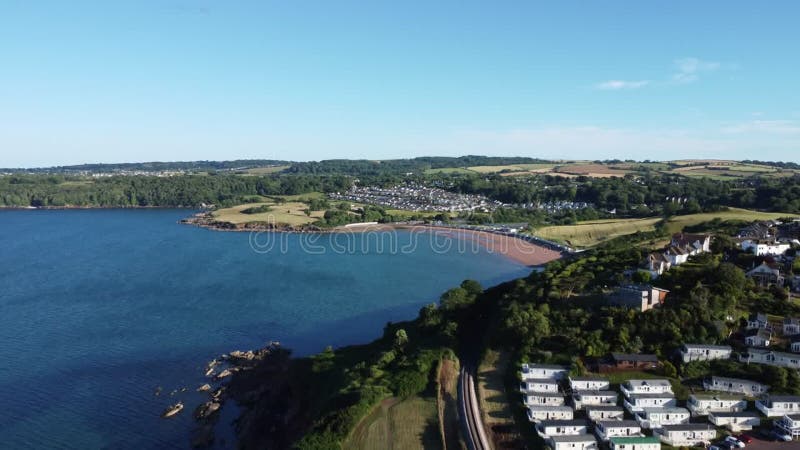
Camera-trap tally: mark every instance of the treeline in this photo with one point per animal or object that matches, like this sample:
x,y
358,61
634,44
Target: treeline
x,y
154,166
141,191
363,167
648,195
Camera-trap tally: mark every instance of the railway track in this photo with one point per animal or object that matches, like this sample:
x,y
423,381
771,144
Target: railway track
x,y
472,422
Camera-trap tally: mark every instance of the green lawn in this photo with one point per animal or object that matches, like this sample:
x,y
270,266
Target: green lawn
x,y
289,213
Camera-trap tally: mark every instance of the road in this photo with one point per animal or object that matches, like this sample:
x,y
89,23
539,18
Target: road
x,y
471,418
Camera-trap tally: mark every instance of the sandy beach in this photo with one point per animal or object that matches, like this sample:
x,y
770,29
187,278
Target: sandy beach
x,y
512,247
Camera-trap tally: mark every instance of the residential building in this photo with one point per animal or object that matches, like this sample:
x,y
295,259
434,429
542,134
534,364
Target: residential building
x,y
735,421
766,274
617,428
547,428
676,255
638,402
539,413
791,326
758,320
588,383
778,405
582,399
543,372
790,423
543,399
656,264
652,386
539,386
688,434
703,404
735,385
659,417
757,337
638,296
764,248
634,443
772,358
795,345
695,243
624,361
598,413
703,352
573,442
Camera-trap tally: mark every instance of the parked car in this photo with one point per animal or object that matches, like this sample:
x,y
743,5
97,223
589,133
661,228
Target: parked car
x,y
746,438
734,441
721,446
781,435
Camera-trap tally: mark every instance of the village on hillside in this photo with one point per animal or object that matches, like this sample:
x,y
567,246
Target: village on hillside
x,y
637,401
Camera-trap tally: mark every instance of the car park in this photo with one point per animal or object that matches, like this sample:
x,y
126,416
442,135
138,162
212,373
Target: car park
x,y
734,441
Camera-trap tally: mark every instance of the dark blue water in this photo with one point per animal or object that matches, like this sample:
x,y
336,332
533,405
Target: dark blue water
x,y
99,308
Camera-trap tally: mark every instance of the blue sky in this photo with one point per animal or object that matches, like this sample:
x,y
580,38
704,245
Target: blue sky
x,y
163,80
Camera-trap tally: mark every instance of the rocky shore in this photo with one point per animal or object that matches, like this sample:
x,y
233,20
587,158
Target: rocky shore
x,y
260,383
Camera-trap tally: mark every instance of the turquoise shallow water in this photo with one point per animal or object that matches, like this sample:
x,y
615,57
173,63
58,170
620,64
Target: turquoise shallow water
x,y
100,307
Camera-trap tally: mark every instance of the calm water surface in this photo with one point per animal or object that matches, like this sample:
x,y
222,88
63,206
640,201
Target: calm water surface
x,y
99,308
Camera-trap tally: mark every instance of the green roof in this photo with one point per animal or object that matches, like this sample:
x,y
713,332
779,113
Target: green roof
x,y
635,440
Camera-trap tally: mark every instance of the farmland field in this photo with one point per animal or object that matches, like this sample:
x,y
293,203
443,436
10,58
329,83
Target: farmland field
x,y
398,425
591,233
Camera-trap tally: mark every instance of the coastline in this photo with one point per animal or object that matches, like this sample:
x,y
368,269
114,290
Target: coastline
x,y
508,245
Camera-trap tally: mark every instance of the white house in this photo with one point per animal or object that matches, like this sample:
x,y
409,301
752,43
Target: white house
x,y
638,402
757,320
790,423
543,372
539,386
778,405
769,357
735,421
588,383
702,404
573,442
676,256
791,326
735,385
598,413
795,347
658,417
652,386
694,243
764,248
543,399
758,337
594,398
688,434
547,428
634,443
605,430
702,352
539,413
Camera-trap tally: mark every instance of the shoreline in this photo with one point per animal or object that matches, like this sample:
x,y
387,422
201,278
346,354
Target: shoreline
x,y
514,247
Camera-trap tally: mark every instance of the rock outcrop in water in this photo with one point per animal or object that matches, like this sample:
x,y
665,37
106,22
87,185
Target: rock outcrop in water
x,y
260,383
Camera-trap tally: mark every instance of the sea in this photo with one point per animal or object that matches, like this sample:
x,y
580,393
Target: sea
x,y
109,316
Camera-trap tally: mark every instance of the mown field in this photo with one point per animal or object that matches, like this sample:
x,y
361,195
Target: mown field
x,y
289,213
591,233
398,425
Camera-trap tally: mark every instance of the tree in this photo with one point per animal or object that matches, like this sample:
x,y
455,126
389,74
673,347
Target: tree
x,y
669,370
400,339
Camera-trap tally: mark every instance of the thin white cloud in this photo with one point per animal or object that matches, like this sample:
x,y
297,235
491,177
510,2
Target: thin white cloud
x,y
616,85
688,70
764,127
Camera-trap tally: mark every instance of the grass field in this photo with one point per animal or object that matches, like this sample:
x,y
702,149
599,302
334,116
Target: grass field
x,y
398,425
587,234
591,233
289,213
266,170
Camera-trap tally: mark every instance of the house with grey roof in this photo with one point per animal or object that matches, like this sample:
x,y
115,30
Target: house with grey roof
x,y
704,352
735,385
